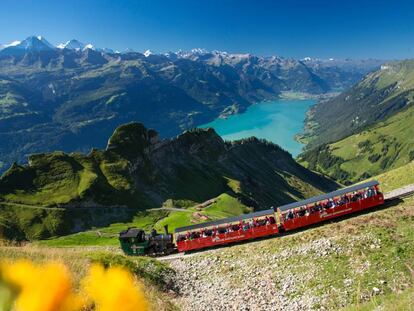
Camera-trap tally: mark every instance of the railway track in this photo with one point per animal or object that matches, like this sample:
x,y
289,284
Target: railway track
x,y
399,193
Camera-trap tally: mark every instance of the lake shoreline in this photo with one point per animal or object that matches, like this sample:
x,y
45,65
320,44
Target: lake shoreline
x,y
278,121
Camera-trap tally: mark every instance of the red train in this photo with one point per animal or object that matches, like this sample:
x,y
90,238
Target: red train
x,y
283,218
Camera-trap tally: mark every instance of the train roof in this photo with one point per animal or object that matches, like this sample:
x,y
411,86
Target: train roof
x,y
328,195
225,220
130,233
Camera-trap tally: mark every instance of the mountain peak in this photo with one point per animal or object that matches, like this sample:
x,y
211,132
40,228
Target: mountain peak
x,y
128,50
72,45
199,51
88,47
32,43
148,53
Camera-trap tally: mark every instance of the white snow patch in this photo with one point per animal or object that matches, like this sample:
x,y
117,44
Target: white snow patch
x,y
147,53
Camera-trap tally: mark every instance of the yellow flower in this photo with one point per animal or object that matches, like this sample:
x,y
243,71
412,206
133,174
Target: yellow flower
x,y
41,288
114,289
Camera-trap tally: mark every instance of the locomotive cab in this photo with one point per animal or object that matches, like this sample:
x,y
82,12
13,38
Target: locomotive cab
x,y
135,241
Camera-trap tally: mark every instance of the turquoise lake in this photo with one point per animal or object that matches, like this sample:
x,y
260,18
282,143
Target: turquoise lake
x,y
277,121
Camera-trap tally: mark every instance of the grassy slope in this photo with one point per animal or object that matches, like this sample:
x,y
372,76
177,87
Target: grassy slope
x,y
396,302
384,146
379,95
225,206
396,178
58,178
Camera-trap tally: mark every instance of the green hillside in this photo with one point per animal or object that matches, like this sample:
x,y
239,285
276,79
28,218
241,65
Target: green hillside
x,y
366,130
379,95
58,193
386,145
396,178
225,206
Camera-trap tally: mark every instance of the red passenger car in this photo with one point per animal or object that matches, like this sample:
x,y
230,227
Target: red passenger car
x,y
227,230
330,205
284,218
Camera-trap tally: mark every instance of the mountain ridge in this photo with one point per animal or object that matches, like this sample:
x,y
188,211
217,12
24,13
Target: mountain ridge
x,y
78,97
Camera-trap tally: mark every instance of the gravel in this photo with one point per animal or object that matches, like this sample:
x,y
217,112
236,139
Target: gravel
x,y
224,280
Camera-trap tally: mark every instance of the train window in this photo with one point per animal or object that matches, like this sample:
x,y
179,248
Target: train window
x,y
222,230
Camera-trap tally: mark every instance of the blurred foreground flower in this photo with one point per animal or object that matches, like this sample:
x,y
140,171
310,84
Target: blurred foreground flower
x,y
48,287
41,288
114,289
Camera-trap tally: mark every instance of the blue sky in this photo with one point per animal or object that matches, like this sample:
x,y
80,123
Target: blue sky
x,y
291,28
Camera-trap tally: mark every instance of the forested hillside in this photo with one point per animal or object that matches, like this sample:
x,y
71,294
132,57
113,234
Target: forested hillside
x,y
366,130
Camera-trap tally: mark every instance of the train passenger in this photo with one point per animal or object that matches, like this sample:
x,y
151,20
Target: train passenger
x,y
272,220
255,222
290,214
235,228
251,223
370,192
208,232
316,208
229,228
355,197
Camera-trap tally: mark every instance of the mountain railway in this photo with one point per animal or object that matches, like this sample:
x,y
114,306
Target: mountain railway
x,y
261,224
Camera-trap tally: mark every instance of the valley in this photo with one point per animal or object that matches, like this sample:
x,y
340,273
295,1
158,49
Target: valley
x,y
366,130
71,99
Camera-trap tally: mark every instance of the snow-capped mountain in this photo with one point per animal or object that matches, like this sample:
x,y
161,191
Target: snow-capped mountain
x,y
278,66
31,43
39,43
72,45
88,46
14,43
105,50
148,53
128,50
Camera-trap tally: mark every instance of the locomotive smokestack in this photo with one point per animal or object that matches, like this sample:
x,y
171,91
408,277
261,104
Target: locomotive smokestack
x,y
166,229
